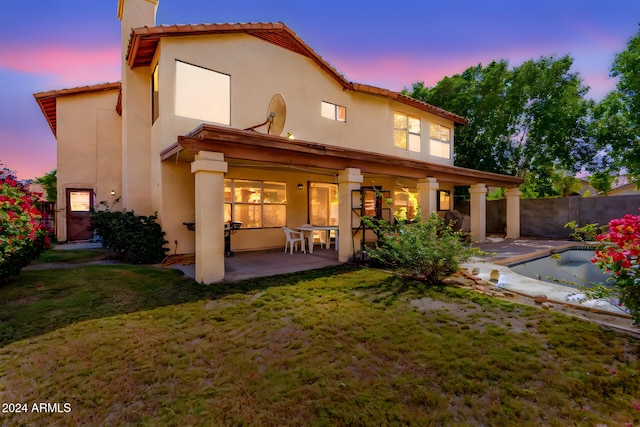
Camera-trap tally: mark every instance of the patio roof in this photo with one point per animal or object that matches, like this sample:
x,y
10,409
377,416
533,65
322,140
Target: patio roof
x,y
252,146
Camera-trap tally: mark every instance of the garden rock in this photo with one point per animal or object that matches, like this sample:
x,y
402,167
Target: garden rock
x,y
539,299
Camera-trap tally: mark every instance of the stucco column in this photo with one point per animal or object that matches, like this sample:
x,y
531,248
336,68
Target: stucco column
x,y
513,213
428,196
478,212
209,169
348,180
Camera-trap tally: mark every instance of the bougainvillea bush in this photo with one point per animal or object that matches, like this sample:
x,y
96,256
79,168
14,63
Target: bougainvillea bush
x,y
618,254
23,235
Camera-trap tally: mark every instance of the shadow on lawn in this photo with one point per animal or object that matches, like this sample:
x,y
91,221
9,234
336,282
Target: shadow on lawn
x,y
40,301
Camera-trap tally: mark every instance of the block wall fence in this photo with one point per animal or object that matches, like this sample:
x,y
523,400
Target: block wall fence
x,y
545,218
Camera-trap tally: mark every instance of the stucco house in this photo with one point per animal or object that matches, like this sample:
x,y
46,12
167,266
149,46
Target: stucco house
x,y
189,133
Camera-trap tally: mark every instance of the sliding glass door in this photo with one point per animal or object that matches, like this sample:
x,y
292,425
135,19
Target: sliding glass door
x,y
323,203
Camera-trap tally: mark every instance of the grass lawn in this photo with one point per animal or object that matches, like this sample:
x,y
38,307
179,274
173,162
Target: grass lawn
x,y
131,345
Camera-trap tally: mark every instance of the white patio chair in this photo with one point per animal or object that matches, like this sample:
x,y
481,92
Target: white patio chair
x,y
293,237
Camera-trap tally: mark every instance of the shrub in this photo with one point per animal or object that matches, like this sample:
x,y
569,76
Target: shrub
x,y
23,236
586,233
429,249
136,239
618,253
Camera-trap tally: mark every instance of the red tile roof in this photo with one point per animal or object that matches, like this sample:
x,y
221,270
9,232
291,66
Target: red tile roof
x,y
144,42
47,100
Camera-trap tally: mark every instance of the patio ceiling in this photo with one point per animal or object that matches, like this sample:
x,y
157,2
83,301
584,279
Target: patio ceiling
x,y
251,146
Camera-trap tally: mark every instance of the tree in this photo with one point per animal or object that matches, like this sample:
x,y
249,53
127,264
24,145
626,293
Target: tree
x,y
529,121
49,183
566,183
477,94
601,181
615,124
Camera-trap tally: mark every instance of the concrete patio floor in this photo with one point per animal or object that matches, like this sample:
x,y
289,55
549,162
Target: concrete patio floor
x,y
246,265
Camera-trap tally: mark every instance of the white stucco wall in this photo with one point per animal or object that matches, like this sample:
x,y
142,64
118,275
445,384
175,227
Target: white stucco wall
x,y
259,70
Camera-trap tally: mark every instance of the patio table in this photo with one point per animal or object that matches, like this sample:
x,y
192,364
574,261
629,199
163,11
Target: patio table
x,y
308,233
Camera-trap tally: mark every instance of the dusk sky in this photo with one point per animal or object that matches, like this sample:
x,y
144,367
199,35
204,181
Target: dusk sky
x,y
57,44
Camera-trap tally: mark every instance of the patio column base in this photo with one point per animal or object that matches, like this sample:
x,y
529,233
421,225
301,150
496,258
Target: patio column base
x,y
209,169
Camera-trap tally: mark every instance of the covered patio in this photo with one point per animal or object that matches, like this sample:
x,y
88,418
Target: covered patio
x,y
216,152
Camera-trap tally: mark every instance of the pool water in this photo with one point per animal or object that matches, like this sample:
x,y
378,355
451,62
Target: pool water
x,y
572,268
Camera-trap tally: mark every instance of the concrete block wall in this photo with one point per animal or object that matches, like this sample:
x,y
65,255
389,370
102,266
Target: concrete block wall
x,y
545,218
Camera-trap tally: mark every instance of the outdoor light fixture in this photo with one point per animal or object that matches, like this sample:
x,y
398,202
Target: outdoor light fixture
x,y
300,186
113,192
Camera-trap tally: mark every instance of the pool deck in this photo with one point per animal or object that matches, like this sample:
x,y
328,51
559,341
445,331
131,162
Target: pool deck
x,y
503,252
508,251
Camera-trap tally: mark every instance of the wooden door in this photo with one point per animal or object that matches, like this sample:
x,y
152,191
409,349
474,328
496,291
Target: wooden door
x,y
79,204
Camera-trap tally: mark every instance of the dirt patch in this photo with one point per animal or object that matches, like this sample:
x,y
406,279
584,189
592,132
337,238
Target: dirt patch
x,y
471,315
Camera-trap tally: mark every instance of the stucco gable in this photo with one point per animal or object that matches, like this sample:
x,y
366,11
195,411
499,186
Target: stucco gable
x,y
144,42
48,100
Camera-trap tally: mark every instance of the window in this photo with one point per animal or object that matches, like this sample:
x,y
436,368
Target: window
x,y
405,203
256,204
323,203
333,112
444,200
406,132
80,201
440,144
202,94
155,95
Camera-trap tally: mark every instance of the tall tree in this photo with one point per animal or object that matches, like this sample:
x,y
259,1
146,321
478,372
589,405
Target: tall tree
x,y
50,183
616,119
529,121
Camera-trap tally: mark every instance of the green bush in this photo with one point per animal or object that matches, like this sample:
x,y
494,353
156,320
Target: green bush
x,y
135,238
429,249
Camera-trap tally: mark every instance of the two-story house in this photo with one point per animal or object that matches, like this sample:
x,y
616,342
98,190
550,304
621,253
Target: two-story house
x,y
214,123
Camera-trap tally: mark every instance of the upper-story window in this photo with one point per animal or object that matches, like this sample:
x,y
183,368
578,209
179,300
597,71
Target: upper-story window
x,y
155,95
202,94
333,111
440,141
406,132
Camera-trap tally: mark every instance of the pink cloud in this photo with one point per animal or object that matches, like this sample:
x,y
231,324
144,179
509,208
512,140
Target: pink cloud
x,y
396,72
29,155
68,65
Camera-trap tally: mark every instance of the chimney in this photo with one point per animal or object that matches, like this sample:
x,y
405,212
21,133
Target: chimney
x,y
136,102
136,13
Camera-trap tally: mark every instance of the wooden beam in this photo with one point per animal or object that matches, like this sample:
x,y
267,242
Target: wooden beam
x,y
254,146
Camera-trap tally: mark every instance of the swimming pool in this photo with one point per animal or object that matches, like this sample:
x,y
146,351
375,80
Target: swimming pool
x,y
569,267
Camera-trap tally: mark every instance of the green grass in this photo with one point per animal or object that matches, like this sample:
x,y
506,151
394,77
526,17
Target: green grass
x,y
330,347
72,256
